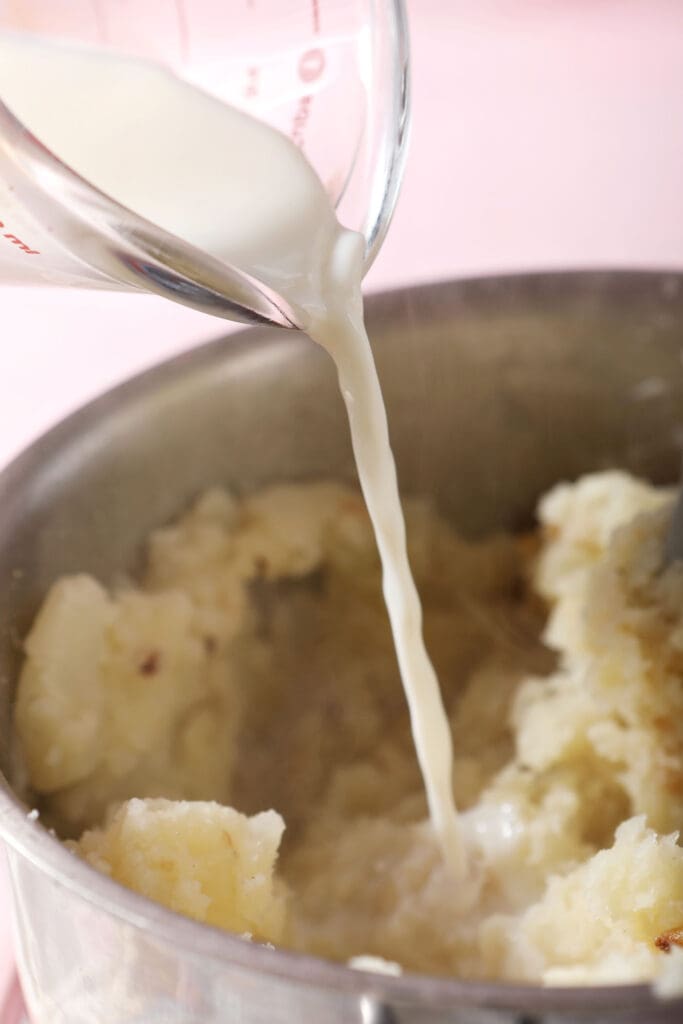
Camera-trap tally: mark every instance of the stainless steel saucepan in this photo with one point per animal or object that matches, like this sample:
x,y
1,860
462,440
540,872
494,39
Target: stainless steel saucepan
x,y
496,389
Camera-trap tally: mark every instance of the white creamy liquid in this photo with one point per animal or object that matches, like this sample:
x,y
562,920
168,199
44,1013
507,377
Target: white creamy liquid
x,y
242,192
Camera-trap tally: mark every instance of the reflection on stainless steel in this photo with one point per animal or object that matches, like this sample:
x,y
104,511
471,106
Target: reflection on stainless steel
x,y
495,390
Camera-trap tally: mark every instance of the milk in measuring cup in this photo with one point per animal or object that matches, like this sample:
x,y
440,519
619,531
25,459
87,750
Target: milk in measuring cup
x,y
241,191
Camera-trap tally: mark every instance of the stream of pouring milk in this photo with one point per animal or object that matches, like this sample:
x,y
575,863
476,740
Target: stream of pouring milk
x,y
244,193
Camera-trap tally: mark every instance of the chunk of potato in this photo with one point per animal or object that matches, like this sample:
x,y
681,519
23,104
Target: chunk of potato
x,y
198,858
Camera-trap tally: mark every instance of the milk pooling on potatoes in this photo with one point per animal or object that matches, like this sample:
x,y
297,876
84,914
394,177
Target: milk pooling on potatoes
x,y
242,192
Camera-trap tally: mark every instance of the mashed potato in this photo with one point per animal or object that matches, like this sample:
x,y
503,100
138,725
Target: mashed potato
x,y
200,859
252,666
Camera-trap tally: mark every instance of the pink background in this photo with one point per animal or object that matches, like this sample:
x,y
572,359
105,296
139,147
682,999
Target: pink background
x,y
546,133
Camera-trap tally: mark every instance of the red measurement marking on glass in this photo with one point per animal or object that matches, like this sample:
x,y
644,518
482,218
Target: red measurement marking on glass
x,y
311,64
251,89
310,67
13,240
301,116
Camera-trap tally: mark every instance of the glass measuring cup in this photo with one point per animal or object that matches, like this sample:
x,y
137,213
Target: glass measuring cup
x,y
330,74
